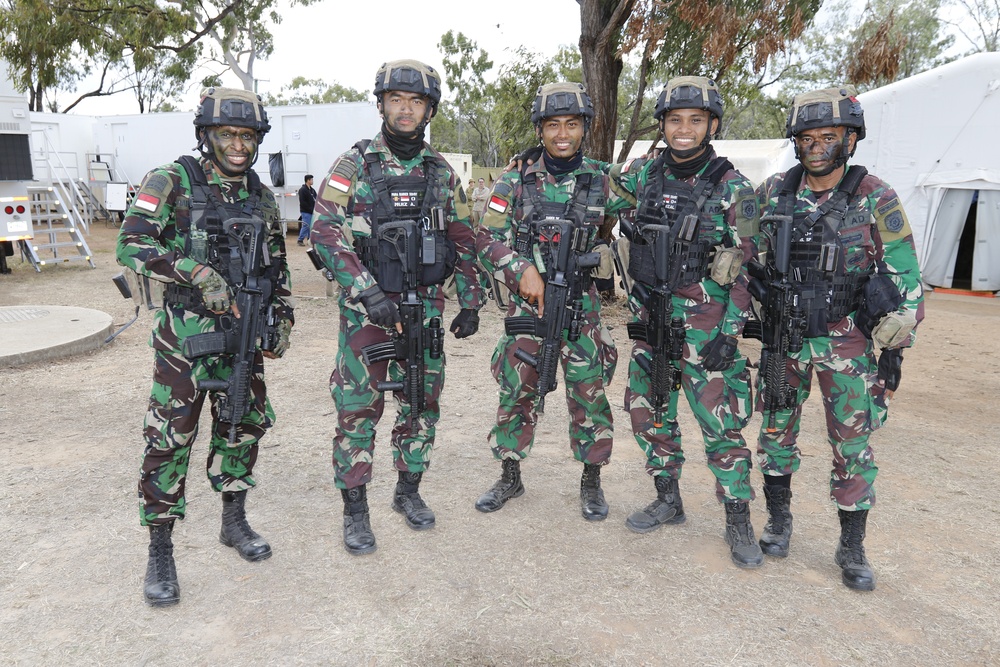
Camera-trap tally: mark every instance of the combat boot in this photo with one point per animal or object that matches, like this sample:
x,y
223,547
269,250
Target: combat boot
x,y
508,486
358,536
407,501
161,588
743,547
667,508
592,502
778,531
857,571
237,533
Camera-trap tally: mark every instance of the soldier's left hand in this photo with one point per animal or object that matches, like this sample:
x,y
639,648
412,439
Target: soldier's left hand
x,y
890,368
465,324
720,353
284,341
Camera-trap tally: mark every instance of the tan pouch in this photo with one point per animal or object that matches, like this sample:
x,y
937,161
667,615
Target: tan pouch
x,y
726,265
620,249
606,269
893,329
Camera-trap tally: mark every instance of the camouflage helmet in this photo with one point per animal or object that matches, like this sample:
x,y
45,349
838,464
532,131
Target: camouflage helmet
x,y
689,92
829,107
561,99
231,106
411,76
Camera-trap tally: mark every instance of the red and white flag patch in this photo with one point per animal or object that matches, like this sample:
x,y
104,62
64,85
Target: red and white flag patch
x,y
339,182
147,202
498,204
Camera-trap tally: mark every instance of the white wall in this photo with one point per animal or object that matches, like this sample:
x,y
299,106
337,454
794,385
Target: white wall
x,y
310,137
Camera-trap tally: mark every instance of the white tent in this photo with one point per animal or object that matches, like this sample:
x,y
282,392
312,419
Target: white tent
x,y
933,137
754,158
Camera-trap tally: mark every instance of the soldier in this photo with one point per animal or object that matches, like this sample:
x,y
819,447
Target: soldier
x,y
393,184
705,213
178,232
562,184
851,245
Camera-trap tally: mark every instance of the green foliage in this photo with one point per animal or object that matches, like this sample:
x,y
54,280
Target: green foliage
x,y
489,119
314,91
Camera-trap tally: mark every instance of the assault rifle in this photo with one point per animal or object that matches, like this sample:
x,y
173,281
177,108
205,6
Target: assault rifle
x,y
663,333
249,267
408,347
783,321
566,246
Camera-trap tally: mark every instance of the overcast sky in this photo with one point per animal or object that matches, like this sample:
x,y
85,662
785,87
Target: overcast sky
x,y
346,41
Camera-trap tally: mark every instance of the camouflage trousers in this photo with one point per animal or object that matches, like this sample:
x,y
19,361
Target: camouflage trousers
x,y
171,426
360,404
720,402
588,364
855,406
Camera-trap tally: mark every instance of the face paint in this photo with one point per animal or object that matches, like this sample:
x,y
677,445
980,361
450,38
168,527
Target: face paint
x,y
232,148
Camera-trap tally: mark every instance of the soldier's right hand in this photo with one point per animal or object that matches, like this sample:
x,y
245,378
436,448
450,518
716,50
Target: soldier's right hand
x,y
381,310
531,287
214,290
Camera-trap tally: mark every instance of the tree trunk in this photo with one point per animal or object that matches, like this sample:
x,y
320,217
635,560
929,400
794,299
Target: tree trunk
x,y
601,22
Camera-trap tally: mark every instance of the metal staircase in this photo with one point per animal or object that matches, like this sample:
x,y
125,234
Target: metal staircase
x,y
58,228
60,213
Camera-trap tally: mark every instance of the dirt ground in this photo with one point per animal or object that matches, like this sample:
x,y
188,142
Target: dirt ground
x,y
533,584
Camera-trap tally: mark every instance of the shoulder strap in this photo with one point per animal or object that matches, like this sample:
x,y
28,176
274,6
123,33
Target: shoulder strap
x,y
786,195
709,179
576,208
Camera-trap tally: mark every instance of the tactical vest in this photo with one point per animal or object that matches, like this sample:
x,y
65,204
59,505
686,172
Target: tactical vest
x,y
821,245
414,198
207,241
585,209
681,207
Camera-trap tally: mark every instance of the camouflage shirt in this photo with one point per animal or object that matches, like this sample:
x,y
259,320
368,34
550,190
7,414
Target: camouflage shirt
x,y
344,210
156,227
506,205
884,244
733,207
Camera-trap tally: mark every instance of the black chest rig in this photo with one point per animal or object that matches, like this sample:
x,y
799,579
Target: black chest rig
x,y
821,240
207,240
681,208
584,209
407,219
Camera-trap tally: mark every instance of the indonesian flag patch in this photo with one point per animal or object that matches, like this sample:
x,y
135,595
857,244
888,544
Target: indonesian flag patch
x,y
498,204
147,202
339,182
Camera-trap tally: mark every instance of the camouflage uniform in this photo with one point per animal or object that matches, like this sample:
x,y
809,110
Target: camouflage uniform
x,y
720,400
153,242
343,213
588,363
855,404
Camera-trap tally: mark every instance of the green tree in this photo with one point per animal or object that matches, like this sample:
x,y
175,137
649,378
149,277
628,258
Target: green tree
x,y
314,91
53,44
491,120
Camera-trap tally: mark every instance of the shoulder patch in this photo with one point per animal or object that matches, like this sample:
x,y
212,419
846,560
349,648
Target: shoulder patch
x,y
888,206
894,221
502,188
461,195
745,192
153,194
497,203
343,173
749,207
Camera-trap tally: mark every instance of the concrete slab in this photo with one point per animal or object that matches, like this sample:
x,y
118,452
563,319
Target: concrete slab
x,y
38,333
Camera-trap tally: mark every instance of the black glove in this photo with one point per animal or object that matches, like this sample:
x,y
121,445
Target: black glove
x,y
532,155
890,368
381,311
466,323
719,354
